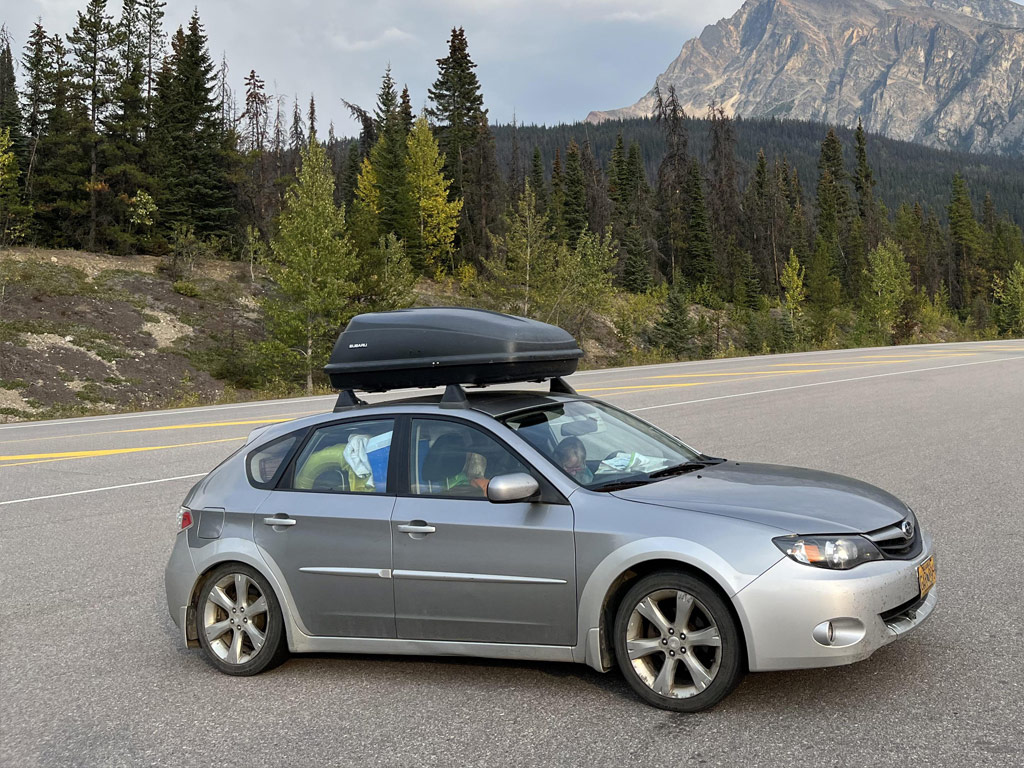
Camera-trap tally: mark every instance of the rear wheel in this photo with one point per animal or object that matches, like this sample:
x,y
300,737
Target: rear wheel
x,y
238,620
677,643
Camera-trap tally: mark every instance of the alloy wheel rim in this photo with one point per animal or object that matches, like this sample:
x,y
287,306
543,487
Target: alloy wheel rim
x,y
235,618
673,643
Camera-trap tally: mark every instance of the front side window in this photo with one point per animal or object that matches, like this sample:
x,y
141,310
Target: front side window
x,y
351,457
596,445
456,460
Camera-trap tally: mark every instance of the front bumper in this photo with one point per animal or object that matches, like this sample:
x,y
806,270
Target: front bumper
x,y
781,609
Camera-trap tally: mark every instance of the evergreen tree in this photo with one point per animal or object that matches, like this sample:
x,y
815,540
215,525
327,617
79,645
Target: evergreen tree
x,y
93,42
458,106
351,175
616,176
405,109
389,158
794,293
35,66
62,167
834,214
537,180
598,205
11,209
556,200
521,272
364,223
672,173
965,235
574,209
195,157
314,268
10,109
636,273
698,260
437,217
674,332
151,16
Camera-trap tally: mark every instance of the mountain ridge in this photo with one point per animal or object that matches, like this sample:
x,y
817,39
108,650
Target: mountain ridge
x,y
945,73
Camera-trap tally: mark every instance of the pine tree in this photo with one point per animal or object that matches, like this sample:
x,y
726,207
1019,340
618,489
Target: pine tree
x,y
672,172
965,235
311,116
698,260
405,109
35,66
887,289
458,105
537,180
10,109
437,217
314,268
574,210
194,157
520,273
151,16
62,167
834,214
12,211
93,42
598,204
389,158
636,272
556,200
794,293
364,223
674,332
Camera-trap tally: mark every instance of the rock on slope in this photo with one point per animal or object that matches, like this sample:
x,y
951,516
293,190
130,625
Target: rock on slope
x,y
947,73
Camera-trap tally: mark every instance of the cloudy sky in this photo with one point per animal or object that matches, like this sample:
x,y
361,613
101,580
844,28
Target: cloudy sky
x,y
546,61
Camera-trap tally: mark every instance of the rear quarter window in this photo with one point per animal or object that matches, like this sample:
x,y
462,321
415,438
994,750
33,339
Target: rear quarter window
x,y
265,464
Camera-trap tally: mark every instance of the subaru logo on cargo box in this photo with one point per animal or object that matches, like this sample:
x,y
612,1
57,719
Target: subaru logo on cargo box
x,y
356,346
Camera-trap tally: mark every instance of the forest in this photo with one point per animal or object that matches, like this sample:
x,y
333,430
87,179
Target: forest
x,y
121,138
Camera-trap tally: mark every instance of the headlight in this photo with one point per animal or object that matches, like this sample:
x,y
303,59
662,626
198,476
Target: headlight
x,y
837,552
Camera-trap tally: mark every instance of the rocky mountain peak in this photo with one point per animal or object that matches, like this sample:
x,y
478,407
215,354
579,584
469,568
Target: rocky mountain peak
x,y
947,73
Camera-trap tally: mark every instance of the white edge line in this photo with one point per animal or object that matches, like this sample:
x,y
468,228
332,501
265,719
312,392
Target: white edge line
x,y
823,383
108,488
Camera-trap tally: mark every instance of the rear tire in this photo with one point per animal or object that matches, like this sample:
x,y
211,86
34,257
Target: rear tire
x,y
677,643
238,621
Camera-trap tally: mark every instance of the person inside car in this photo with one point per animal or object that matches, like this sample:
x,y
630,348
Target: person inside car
x,y
571,456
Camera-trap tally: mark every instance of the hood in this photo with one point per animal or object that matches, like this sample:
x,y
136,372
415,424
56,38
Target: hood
x,y
802,501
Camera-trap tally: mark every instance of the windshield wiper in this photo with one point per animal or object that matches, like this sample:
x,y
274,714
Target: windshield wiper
x,y
621,485
678,469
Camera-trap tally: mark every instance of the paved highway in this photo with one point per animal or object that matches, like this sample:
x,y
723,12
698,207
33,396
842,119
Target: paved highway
x,y
92,672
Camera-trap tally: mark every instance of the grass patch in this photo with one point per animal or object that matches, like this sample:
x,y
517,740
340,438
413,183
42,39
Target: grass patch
x,y
12,383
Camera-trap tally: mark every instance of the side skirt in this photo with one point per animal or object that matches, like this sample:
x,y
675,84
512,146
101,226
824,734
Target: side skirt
x,y
302,643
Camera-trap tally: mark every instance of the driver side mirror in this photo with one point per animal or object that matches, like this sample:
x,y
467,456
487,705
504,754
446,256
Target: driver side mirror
x,y
517,486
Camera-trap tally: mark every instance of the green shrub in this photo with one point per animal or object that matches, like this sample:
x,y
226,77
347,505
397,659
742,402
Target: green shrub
x,y
185,288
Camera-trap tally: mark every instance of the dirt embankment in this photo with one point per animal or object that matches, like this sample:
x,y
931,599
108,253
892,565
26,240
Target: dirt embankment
x,y
85,333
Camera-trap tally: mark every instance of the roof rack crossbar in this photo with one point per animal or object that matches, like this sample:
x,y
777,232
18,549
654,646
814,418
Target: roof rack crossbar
x,y
561,386
454,397
347,399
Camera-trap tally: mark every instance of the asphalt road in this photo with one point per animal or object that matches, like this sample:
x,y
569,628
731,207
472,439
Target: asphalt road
x,y
92,671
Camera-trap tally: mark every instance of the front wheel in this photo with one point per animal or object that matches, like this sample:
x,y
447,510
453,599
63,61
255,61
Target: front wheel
x,y
677,643
238,620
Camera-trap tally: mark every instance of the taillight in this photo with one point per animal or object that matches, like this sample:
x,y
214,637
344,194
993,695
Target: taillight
x,y
184,518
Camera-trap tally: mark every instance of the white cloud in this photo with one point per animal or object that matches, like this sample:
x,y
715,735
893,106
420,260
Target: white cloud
x,y
389,35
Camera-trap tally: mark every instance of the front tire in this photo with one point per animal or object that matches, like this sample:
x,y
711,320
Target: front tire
x,y
677,643
238,621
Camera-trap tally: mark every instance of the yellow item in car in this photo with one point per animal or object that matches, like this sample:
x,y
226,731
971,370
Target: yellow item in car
x,y
325,459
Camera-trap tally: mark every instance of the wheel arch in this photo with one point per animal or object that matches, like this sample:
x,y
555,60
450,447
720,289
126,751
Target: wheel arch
x,y
245,554
616,573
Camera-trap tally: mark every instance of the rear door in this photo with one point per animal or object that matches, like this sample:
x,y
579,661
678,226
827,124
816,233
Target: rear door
x,y
327,526
471,570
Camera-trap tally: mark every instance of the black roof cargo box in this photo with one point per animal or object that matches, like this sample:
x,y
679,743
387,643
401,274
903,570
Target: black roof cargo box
x,y
435,346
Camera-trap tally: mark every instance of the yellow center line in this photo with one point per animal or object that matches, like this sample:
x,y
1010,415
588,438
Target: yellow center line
x,y
915,355
199,425
739,373
753,376
30,457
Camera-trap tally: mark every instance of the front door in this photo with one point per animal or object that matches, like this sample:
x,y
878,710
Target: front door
x,y
327,526
472,570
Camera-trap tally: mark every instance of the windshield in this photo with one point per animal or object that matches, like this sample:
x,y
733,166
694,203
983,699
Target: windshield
x,y
598,446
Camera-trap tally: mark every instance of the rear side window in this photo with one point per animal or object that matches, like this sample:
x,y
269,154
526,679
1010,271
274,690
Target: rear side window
x,y
266,463
351,457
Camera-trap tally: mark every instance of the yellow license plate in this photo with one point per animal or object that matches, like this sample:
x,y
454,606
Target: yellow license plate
x,y
926,575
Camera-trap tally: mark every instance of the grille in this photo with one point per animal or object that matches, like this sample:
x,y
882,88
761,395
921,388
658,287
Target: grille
x,y
894,545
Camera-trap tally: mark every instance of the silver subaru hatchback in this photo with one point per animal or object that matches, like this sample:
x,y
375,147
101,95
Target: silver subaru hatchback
x,y
541,526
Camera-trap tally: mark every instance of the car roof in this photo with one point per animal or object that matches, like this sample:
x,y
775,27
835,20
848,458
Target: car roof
x,y
495,403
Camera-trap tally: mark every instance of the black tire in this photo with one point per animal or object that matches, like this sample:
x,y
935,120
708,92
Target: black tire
x,y
269,623
709,612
